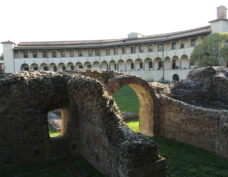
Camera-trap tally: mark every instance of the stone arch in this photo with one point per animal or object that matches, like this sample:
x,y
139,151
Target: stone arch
x,y
184,62
120,65
167,63
78,65
146,96
87,65
148,64
112,65
104,65
34,67
44,67
53,67
96,65
130,65
139,64
158,64
70,66
175,63
24,67
61,67
175,77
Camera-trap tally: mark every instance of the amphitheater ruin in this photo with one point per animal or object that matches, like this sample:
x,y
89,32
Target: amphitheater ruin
x,y
193,111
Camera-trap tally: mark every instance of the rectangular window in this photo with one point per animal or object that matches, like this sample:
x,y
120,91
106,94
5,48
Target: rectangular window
x,y
62,54
45,55
133,49
132,65
34,54
173,45
71,53
150,64
89,66
80,66
90,53
115,51
193,42
123,50
97,52
107,51
45,68
63,68
150,48
80,54
141,49
54,55
182,46
25,54
160,47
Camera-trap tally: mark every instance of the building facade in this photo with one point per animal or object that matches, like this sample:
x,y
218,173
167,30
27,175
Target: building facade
x,y
154,57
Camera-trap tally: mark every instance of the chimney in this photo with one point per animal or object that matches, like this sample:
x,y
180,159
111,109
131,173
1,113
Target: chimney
x,y
221,12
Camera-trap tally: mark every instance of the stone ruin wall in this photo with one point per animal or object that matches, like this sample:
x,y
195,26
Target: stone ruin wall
x,y
194,111
200,127
92,126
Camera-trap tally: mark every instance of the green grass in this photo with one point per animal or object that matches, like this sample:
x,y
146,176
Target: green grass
x,y
186,160
52,132
68,167
127,100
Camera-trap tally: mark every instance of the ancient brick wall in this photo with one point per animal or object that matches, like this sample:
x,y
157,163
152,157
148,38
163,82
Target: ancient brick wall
x,y
92,125
201,127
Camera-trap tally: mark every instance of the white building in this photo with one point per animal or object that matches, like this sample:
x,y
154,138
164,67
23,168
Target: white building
x,y
152,57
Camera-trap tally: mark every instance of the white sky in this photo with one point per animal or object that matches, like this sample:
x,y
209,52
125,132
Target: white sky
x,y
45,20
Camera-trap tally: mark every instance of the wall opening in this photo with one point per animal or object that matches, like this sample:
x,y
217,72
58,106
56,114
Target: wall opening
x,y
55,123
175,77
128,103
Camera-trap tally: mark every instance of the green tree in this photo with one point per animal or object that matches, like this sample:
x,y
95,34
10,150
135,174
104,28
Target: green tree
x,y
207,53
224,54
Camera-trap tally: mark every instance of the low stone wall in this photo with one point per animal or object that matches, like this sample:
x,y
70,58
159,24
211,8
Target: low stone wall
x,y
91,125
201,127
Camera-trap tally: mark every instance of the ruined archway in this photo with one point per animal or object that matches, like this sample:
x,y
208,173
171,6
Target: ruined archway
x,y
144,93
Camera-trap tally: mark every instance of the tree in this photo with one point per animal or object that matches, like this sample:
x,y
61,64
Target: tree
x,y
224,54
212,47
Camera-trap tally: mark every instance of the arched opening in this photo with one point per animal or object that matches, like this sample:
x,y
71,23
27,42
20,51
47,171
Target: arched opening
x,y
175,77
128,104
175,64
145,100
104,65
112,65
184,62
120,65
129,65
34,67
139,64
167,63
70,66
96,65
158,64
61,67
79,65
87,65
148,64
24,67
44,67
53,67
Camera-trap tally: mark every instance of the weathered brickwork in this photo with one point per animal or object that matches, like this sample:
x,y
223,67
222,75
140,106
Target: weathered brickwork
x,y
92,125
194,111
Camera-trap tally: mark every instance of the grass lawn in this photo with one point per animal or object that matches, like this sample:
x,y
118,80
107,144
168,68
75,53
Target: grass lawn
x,y
127,100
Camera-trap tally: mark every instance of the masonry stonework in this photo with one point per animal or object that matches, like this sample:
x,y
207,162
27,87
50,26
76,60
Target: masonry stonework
x,y
92,125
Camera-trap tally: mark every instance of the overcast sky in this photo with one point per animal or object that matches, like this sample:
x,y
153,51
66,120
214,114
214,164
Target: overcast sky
x,y
43,20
